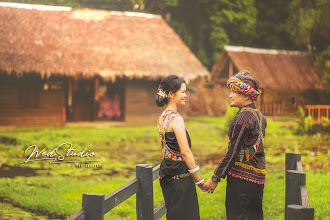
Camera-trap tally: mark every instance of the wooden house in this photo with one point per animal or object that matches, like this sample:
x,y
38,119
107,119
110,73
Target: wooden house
x,y
60,64
286,77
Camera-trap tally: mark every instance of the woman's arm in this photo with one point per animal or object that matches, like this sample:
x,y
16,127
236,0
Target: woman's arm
x,y
179,129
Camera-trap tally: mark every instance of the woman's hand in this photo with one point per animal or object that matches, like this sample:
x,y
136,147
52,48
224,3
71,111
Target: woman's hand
x,y
209,186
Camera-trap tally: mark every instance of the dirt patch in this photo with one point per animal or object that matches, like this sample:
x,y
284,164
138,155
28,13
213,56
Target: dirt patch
x,y
8,140
40,213
12,172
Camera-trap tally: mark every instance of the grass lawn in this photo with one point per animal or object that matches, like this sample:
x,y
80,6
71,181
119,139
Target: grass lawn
x,y
56,189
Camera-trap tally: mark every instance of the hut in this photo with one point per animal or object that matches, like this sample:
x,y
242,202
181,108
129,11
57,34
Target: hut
x,y
60,64
287,78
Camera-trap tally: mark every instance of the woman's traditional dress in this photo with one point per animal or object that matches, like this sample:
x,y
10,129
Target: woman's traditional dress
x,y
178,186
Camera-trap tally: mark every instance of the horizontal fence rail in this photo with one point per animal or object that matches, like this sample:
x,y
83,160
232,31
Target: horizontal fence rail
x,y
318,111
296,198
276,109
96,205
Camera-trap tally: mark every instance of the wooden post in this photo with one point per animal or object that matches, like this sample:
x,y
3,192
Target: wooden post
x,y
294,180
318,114
144,198
309,110
231,68
93,203
295,212
96,89
291,160
69,92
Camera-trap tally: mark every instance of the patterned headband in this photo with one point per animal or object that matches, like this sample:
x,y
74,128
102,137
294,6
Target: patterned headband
x,y
237,85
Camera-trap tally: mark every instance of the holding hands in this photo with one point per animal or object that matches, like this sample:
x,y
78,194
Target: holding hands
x,y
208,186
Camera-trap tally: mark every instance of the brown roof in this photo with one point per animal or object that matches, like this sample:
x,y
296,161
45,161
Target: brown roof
x,y
62,40
275,69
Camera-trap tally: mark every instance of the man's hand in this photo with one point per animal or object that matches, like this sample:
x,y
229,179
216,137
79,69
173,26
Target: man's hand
x,y
201,185
209,186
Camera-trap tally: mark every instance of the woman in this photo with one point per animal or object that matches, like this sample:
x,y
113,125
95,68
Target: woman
x,y
178,170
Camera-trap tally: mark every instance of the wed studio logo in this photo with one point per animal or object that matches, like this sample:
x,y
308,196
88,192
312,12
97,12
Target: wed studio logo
x,y
63,153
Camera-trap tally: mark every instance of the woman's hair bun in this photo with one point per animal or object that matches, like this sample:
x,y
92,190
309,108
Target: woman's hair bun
x,y
169,84
161,101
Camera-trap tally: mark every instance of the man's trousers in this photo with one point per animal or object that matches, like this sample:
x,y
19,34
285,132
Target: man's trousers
x,y
243,199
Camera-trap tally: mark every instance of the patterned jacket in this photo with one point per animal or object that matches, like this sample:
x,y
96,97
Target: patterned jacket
x,y
245,158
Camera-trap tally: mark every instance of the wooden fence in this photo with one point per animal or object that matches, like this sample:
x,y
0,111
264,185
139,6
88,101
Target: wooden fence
x,y
318,111
96,205
276,109
296,198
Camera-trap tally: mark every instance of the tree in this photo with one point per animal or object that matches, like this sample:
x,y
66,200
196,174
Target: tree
x,y
231,22
309,25
272,31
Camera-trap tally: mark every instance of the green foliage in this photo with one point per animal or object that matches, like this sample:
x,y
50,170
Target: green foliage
x,y
323,60
172,3
301,21
231,22
304,124
308,124
271,34
325,122
230,114
308,24
301,120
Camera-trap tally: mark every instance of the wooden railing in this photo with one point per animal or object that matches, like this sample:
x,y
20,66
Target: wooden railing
x,y
96,205
318,111
296,198
275,109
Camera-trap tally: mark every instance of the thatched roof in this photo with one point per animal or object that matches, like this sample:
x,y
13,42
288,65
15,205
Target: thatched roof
x,y
61,40
274,69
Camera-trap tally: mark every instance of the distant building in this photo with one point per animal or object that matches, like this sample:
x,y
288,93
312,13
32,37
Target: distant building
x,y
286,77
59,64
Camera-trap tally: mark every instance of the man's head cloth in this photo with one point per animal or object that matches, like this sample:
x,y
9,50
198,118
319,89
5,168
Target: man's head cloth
x,y
236,83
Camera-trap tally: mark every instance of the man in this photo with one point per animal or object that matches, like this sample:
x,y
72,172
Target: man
x,y
244,162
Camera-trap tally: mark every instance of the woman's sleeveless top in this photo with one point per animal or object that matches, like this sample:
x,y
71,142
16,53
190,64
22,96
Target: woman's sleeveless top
x,y
172,163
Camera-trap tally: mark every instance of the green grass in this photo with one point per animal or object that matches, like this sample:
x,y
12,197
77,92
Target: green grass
x,y
62,196
57,189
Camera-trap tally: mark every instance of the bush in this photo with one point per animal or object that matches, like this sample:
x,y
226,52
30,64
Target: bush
x,y
304,124
300,114
325,122
230,114
308,125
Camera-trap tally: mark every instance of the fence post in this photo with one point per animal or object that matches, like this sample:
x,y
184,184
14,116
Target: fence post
x,y
294,180
299,212
93,203
144,198
291,160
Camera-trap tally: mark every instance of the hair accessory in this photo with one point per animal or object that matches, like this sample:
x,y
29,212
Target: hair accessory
x,y
239,86
161,93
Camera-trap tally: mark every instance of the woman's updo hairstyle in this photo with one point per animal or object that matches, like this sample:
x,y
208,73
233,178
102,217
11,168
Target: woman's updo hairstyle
x,y
168,84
